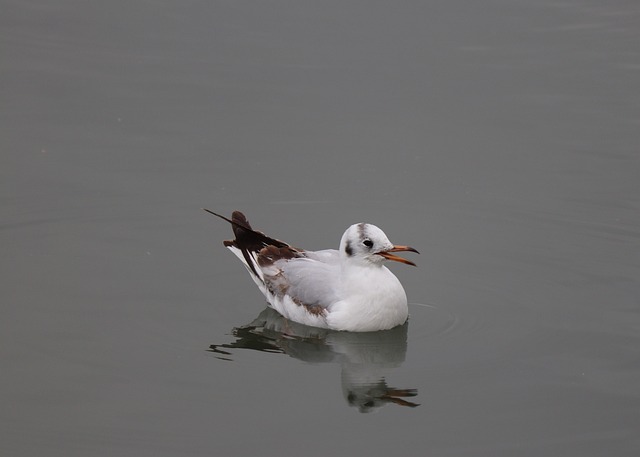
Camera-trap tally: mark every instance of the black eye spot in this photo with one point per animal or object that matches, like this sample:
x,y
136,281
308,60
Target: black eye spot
x,y
368,243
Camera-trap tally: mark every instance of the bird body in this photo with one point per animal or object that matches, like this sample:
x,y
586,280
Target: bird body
x,y
346,289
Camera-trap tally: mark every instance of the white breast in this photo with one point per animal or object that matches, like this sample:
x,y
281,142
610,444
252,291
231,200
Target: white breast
x,y
373,299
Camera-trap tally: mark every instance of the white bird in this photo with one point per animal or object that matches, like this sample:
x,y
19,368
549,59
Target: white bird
x,y
346,289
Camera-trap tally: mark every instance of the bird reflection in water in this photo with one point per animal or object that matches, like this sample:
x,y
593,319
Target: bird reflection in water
x,y
365,358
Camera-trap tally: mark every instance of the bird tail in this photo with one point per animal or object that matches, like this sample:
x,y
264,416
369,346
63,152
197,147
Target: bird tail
x,y
248,242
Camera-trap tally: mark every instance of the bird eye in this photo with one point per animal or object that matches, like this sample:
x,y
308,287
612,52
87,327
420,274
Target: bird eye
x,y
368,243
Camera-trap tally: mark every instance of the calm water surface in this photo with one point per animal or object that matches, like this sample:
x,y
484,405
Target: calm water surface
x,y
499,138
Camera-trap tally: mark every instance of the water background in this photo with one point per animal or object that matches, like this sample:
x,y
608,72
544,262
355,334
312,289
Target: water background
x,y
500,138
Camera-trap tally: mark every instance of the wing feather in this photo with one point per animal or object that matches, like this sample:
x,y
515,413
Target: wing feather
x,y
313,280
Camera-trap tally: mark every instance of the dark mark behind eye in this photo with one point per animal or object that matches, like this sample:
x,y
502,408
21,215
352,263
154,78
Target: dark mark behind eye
x,y
348,249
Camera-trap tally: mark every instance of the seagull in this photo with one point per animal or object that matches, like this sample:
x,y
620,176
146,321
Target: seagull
x,y
348,289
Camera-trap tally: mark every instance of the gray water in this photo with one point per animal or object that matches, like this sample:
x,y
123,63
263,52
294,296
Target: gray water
x,y
500,138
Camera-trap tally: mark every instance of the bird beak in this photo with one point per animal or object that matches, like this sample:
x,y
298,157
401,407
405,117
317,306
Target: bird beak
x,y
389,256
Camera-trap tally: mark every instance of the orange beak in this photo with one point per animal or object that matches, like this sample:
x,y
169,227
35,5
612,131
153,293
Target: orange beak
x,y
387,255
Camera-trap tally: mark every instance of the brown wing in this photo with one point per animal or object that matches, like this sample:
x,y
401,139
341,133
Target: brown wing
x,y
249,241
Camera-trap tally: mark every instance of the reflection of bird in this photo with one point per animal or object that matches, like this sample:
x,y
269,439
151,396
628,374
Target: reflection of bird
x,y
345,289
366,358
368,395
